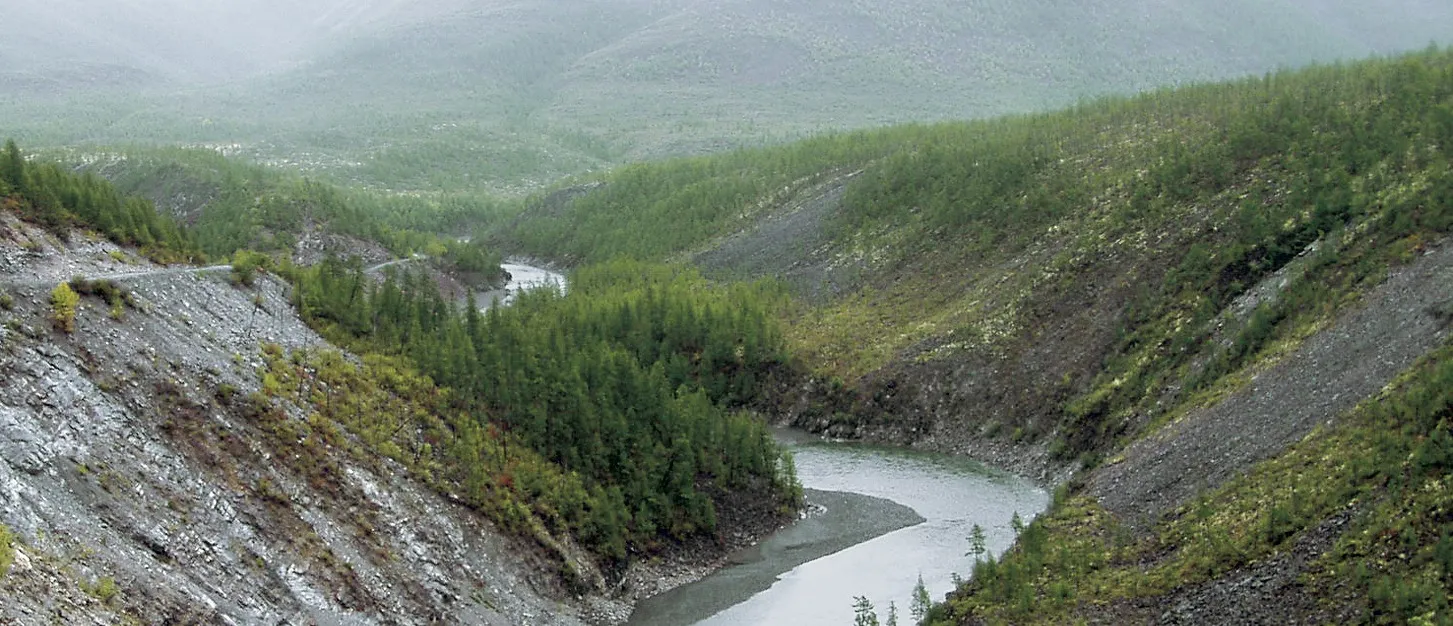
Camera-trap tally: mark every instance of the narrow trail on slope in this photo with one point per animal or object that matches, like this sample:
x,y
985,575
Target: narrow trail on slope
x,y
50,279
379,267
1328,374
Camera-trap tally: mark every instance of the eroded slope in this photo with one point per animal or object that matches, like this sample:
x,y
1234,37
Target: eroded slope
x,y
134,468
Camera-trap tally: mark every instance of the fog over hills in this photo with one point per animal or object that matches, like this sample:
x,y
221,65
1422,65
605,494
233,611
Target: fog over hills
x,y
454,93
179,40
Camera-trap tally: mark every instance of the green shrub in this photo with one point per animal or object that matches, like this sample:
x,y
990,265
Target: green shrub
x,y
1280,523
105,589
63,302
7,550
245,265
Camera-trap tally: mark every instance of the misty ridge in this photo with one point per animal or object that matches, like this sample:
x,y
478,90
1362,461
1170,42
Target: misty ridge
x,y
221,40
180,41
510,96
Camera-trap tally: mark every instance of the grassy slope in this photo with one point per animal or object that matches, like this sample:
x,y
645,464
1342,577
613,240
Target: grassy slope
x,y
1112,267
516,95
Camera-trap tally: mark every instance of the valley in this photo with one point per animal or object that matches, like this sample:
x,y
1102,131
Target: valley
x,y
669,312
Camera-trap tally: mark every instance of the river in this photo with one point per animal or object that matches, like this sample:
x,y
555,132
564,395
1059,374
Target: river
x,y
887,516
879,518
522,277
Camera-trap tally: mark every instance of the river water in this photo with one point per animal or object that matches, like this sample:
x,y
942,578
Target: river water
x,y
522,277
889,516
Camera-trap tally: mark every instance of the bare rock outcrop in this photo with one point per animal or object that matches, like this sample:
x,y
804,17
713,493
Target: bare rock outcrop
x,y
137,491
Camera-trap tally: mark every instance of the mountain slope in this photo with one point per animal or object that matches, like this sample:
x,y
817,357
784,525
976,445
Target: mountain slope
x,y
515,455
515,95
141,490
1221,313
65,45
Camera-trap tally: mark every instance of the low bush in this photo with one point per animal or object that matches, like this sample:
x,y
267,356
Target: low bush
x,y
63,302
7,550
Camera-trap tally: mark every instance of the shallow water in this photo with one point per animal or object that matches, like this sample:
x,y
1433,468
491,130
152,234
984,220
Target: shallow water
x,y
776,586
522,277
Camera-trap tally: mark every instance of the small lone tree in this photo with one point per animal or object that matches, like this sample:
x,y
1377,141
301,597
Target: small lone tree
x,y
245,265
922,603
12,168
863,613
977,542
63,302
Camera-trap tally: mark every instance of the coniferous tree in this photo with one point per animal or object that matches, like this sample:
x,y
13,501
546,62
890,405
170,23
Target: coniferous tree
x,y
12,167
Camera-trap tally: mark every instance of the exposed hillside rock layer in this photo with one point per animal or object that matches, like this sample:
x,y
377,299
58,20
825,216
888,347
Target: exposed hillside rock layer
x,y
1350,360
127,462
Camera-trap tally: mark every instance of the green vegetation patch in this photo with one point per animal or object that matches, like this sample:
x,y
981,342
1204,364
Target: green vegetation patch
x,y
58,199
63,303
623,397
7,550
231,205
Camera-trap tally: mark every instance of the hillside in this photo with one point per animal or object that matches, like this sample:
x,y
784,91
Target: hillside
x,y
269,441
139,487
228,205
1220,312
515,95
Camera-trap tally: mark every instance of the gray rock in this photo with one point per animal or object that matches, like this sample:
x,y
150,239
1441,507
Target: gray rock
x,y
156,488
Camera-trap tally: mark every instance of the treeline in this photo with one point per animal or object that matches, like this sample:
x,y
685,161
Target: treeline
x,y
628,382
59,199
700,198
1003,180
233,206
1323,126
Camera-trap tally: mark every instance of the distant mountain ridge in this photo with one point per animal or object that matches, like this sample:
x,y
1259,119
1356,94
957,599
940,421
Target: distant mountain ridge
x,y
180,41
429,94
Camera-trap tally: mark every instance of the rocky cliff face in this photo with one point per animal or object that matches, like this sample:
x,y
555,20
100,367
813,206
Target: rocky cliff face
x,y
141,490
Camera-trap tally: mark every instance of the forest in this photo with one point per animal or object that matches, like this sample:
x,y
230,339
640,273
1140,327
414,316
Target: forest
x,y
57,199
230,205
633,384
1282,159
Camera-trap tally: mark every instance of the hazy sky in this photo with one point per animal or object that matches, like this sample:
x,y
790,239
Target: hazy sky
x,y
191,40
